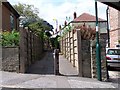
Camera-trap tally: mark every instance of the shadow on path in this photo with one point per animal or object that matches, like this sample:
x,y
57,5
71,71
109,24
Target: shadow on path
x,y
46,66
43,66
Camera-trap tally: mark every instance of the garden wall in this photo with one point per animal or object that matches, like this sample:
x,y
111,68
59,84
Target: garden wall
x,y
104,71
10,59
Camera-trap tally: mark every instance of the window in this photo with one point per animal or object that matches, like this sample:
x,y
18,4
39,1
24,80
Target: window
x,y
11,22
113,52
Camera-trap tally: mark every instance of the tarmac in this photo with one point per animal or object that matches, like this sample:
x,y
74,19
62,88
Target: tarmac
x,y
41,75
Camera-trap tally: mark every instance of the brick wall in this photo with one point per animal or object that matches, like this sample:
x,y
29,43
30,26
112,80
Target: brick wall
x,y
114,27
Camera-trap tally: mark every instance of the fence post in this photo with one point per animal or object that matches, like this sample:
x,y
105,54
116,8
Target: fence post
x,y
79,51
56,61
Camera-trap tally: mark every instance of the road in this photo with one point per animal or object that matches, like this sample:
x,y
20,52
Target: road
x,y
114,75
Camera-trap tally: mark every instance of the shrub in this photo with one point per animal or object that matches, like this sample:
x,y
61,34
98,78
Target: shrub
x,y
9,38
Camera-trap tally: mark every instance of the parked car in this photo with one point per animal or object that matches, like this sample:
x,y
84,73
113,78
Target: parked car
x,y
113,57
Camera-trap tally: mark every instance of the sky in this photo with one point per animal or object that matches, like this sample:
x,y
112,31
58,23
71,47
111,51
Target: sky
x,y
60,9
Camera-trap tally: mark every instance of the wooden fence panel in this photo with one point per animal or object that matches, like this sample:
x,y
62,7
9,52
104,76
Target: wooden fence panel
x,y
31,48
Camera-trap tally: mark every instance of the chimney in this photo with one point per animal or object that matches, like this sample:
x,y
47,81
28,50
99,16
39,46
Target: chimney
x,y
65,23
75,15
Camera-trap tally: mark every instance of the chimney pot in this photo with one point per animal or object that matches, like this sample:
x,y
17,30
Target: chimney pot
x,y
75,15
65,23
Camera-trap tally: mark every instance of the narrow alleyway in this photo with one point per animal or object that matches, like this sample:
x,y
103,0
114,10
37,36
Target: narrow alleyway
x,y
46,66
43,66
66,68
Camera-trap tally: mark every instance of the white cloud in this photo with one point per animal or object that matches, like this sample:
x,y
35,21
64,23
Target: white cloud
x,y
49,9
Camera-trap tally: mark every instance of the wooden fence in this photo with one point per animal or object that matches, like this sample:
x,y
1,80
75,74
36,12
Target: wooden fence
x,y
71,43
69,47
31,48
77,46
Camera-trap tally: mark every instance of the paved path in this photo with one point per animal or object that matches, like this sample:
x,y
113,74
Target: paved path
x,y
43,66
46,66
40,75
66,68
14,80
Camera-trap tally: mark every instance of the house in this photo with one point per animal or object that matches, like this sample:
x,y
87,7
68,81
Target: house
x,y
9,18
89,19
114,16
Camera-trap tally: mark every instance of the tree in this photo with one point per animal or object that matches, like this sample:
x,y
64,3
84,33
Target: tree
x,y
29,17
28,13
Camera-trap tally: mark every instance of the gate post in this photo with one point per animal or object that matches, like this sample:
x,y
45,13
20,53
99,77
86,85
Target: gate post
x,y
56,61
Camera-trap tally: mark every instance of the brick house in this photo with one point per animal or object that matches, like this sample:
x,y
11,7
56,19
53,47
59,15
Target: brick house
x,y
9,18
114,16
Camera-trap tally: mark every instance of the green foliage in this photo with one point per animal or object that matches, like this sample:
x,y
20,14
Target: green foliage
x,y
28,12
66,30
10,38
40,27
55,42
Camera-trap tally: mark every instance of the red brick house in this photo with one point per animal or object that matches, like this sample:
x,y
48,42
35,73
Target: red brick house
x,y
9,18
114,15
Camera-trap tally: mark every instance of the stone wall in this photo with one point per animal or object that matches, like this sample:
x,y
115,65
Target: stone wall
x,y
103,59
86,58
10,59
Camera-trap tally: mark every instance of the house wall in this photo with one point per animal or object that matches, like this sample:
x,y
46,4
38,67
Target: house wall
x,y
6,19
102,25
114,27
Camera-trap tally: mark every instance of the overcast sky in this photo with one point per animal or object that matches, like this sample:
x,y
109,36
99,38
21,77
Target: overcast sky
x,y
59,9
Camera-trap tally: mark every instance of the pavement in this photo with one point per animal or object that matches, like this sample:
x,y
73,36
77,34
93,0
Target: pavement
x,y
40,75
